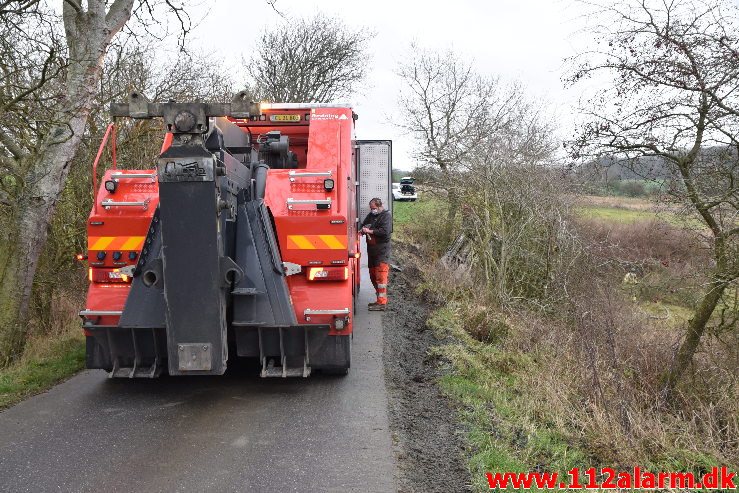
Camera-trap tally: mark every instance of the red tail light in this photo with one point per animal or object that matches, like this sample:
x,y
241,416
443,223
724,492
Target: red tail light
x,y
107,275
328,273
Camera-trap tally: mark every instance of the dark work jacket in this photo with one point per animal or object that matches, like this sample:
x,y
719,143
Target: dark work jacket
x,y
378,244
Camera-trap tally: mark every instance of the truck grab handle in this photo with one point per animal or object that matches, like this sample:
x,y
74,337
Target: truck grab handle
x,y
107,204
118,176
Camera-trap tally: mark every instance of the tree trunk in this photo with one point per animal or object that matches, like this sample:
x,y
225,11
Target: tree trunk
x,y
696,328
88,34
21,250
28,233
453,200
10,264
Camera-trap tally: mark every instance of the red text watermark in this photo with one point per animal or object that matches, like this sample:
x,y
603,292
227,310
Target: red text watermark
x,y
720,478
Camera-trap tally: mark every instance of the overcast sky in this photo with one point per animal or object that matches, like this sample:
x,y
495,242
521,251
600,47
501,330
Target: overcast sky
x,y
523,40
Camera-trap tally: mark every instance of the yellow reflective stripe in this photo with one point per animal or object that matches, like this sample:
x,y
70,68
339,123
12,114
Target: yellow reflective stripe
x,y
101,243
302,242
332,242
132,243
313,242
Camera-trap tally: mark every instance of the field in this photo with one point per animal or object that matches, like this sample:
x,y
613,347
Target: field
x,y
631,210
614,214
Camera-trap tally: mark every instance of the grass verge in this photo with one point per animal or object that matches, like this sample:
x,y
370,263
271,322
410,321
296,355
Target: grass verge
x,y
509,429
524,411
47,361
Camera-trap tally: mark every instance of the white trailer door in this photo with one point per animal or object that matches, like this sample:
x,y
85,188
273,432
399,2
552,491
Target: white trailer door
x,y
375,159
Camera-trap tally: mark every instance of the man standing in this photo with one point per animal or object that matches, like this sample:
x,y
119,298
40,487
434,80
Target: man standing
x,y
377,227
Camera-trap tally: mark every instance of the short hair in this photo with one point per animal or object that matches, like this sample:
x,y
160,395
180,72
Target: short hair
x,y
377,201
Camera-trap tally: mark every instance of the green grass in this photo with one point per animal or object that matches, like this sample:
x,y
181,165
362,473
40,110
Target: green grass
x,y
614,214
404,212
54,360
420,222
630,216
508,430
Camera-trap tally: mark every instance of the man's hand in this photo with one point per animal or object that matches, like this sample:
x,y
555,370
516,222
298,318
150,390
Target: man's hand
x,y
366,230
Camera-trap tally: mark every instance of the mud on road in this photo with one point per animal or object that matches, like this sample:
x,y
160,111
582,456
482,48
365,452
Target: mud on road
x,y
427,438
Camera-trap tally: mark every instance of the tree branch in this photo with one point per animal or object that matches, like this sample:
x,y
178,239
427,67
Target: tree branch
x,y
74,4
9,163
11,146
20,8
118,14
42,80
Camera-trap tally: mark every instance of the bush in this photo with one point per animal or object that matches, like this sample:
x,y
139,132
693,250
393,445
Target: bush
x,y
632,188
485,325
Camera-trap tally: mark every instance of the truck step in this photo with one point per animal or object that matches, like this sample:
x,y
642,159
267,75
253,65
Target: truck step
x,y
277,371
135,353
270,370
136,372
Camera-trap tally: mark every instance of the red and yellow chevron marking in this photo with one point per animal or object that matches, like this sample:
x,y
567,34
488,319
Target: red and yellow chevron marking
x,y
316,242
115,242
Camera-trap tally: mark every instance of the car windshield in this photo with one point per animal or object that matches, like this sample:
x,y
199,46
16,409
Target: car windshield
x,y
395,186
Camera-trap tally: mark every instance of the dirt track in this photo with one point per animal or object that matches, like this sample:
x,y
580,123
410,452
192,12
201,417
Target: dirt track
x,y
426,435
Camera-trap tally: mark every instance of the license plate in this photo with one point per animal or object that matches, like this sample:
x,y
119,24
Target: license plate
x,y
285,118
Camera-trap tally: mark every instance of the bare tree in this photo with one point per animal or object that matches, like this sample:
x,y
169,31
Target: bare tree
x,y
448,108
515,214
674,97
35,157
309,60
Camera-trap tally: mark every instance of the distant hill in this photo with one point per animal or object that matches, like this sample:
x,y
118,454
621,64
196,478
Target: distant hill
x,y
652,168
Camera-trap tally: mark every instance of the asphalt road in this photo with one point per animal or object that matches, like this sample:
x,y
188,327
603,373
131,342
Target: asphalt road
x,y
231,433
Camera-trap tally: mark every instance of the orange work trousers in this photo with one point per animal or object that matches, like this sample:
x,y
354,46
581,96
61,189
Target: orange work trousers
x,y
378,276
